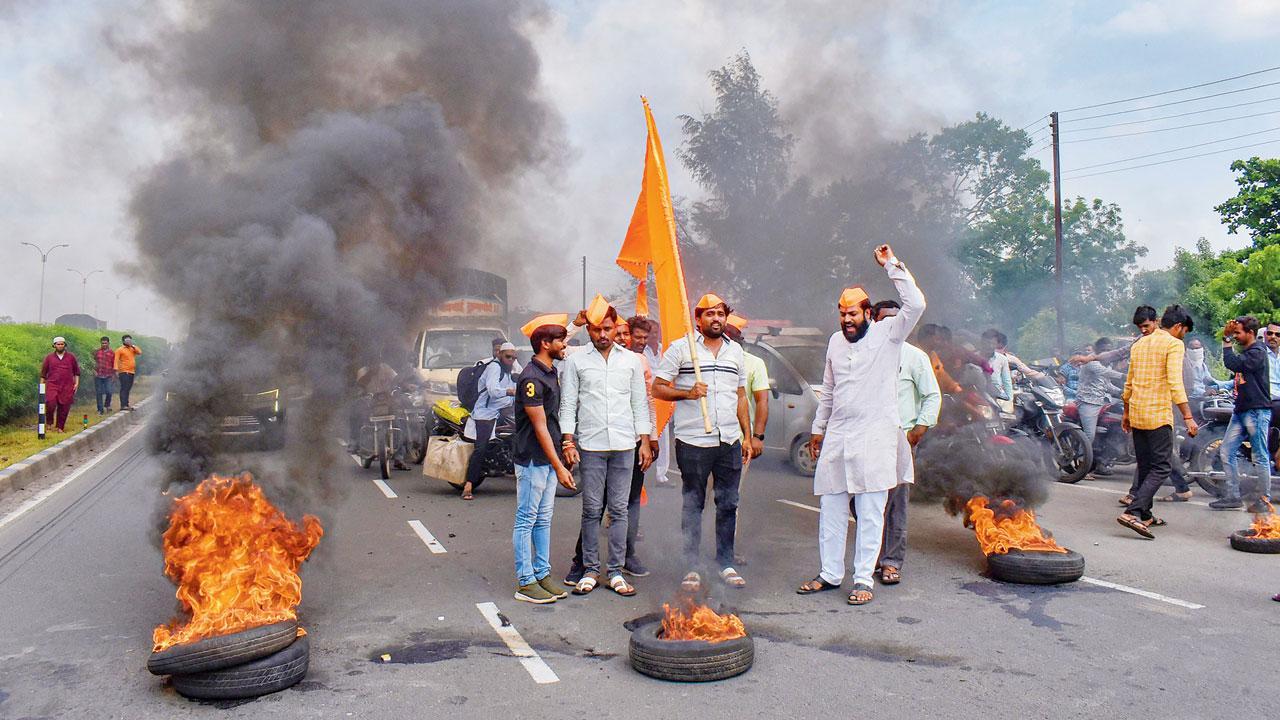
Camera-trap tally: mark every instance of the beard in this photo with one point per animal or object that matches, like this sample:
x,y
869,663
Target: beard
x,y
856,334
713,333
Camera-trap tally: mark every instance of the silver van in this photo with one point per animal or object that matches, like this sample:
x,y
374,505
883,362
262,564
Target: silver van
x,y
795,360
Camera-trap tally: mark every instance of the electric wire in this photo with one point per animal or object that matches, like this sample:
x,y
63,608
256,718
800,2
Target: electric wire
x,y
1171,150
1033,122
1175,102
1173,160
1176,90
1176,127
1170,117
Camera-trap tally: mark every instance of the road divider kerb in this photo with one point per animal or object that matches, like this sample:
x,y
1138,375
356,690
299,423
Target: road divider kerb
x,y
49,492
532,661
427,538
76,447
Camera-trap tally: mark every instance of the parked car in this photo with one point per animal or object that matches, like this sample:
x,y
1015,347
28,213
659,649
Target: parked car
x,y
794,359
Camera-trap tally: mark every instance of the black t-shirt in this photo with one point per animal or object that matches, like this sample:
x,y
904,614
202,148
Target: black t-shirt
x,y
1253,381
537,386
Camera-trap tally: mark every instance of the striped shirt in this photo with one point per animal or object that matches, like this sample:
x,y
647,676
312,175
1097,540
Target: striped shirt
x,y
1154,383
723,373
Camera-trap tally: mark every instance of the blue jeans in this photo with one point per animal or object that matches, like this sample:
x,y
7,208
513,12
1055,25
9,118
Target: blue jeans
x,y
1251,425
531,538
102,389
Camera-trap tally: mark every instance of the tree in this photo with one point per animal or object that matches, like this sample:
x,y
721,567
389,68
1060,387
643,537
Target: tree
x,y
1256,205
1248,287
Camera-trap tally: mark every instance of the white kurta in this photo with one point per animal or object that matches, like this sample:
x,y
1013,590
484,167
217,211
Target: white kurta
x,y
864,448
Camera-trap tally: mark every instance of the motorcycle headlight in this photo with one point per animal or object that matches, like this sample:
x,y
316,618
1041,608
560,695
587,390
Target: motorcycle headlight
x,y
1056,395
440,387
986,412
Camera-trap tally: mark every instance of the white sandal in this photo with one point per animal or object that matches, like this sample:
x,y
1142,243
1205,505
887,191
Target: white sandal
x,y
585,585
619,584
732,578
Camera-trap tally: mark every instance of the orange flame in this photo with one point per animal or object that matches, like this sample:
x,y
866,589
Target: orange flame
x,y
1014,529
694,621
1266,525
234,557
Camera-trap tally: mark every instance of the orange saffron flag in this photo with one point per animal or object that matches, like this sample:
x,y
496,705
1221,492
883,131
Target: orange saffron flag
x,y
651,241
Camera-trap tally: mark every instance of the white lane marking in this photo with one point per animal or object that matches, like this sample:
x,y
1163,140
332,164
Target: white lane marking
x,y
810,508
384,487
1092,581
75,475
538,669
432,543
1121,494
359,462
1143,593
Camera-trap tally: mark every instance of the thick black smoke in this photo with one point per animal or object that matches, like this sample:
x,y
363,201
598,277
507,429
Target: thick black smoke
x,y
338,160
953,470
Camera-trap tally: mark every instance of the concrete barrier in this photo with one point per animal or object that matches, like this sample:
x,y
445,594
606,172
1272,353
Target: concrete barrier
x,y
72,450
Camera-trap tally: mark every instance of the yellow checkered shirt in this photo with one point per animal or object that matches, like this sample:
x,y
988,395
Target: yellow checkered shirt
x,y
1154,384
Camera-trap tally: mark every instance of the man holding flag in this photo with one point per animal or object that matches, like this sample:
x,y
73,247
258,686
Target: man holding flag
x,y
718,451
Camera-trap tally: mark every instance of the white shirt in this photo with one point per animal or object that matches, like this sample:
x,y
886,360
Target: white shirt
x,y
603,401
864,448
723,373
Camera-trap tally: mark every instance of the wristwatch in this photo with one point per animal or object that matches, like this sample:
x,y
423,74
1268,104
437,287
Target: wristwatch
x,y
758,436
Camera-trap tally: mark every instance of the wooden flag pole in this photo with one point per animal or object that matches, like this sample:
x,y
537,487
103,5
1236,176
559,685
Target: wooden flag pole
x,y
697,378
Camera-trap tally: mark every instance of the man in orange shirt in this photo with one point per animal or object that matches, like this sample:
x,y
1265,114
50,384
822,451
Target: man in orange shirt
x,y
126,368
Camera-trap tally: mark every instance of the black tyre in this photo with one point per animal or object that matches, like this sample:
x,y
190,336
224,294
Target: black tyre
x,y
1036,568
265,675
1072,454
384,460
223,651
367,462
1205,459
688,661
1244,541
801,460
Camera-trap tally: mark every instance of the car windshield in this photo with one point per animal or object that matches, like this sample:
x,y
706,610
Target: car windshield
x,y
808,360
456,348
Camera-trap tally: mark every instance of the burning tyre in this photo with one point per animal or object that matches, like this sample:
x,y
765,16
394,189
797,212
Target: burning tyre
x,y
272,673
689,660
1036,567
223,651
692,643
1018,550
1247,541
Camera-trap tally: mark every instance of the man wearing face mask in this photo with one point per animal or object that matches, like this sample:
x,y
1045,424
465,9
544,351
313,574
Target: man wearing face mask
x,y
857,434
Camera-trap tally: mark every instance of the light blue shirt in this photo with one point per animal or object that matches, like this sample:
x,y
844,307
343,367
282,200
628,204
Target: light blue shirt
x,y
1273,368
493,385
603,401
919,398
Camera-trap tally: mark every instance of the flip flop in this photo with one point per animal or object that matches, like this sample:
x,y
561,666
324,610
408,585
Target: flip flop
x,y
1172,498
732,578
1136,525
1157,522
823,586
860,588
619,584
1126,500
468,496
890,575
586,584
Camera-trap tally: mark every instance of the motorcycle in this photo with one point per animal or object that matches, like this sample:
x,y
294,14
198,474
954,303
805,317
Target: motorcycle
x,y
450,418
1204,454
1038,414
1111,444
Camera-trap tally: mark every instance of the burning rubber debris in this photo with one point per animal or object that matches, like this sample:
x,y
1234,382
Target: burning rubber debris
x,y
1262,535
234,558
691,642
1018,550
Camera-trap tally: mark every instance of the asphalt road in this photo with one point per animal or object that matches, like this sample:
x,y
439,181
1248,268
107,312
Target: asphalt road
x,y
81,588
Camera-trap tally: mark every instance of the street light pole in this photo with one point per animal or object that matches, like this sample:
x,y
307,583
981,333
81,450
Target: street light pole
x,y
116,319
44,260
84,285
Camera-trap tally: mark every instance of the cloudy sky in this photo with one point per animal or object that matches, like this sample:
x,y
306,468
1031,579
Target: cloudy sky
x,y
77,126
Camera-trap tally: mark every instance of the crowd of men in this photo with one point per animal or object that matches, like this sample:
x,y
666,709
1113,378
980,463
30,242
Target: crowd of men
x,y
60,374
596,408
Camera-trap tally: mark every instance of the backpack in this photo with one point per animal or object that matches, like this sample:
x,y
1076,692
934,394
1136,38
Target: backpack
x,y
469,384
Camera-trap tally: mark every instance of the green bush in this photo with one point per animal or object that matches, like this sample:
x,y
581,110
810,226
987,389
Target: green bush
x,y
23,347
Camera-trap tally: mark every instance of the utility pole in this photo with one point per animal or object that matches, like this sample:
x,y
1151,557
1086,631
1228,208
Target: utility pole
x,y
584,281
84,285
1057,234
44,260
